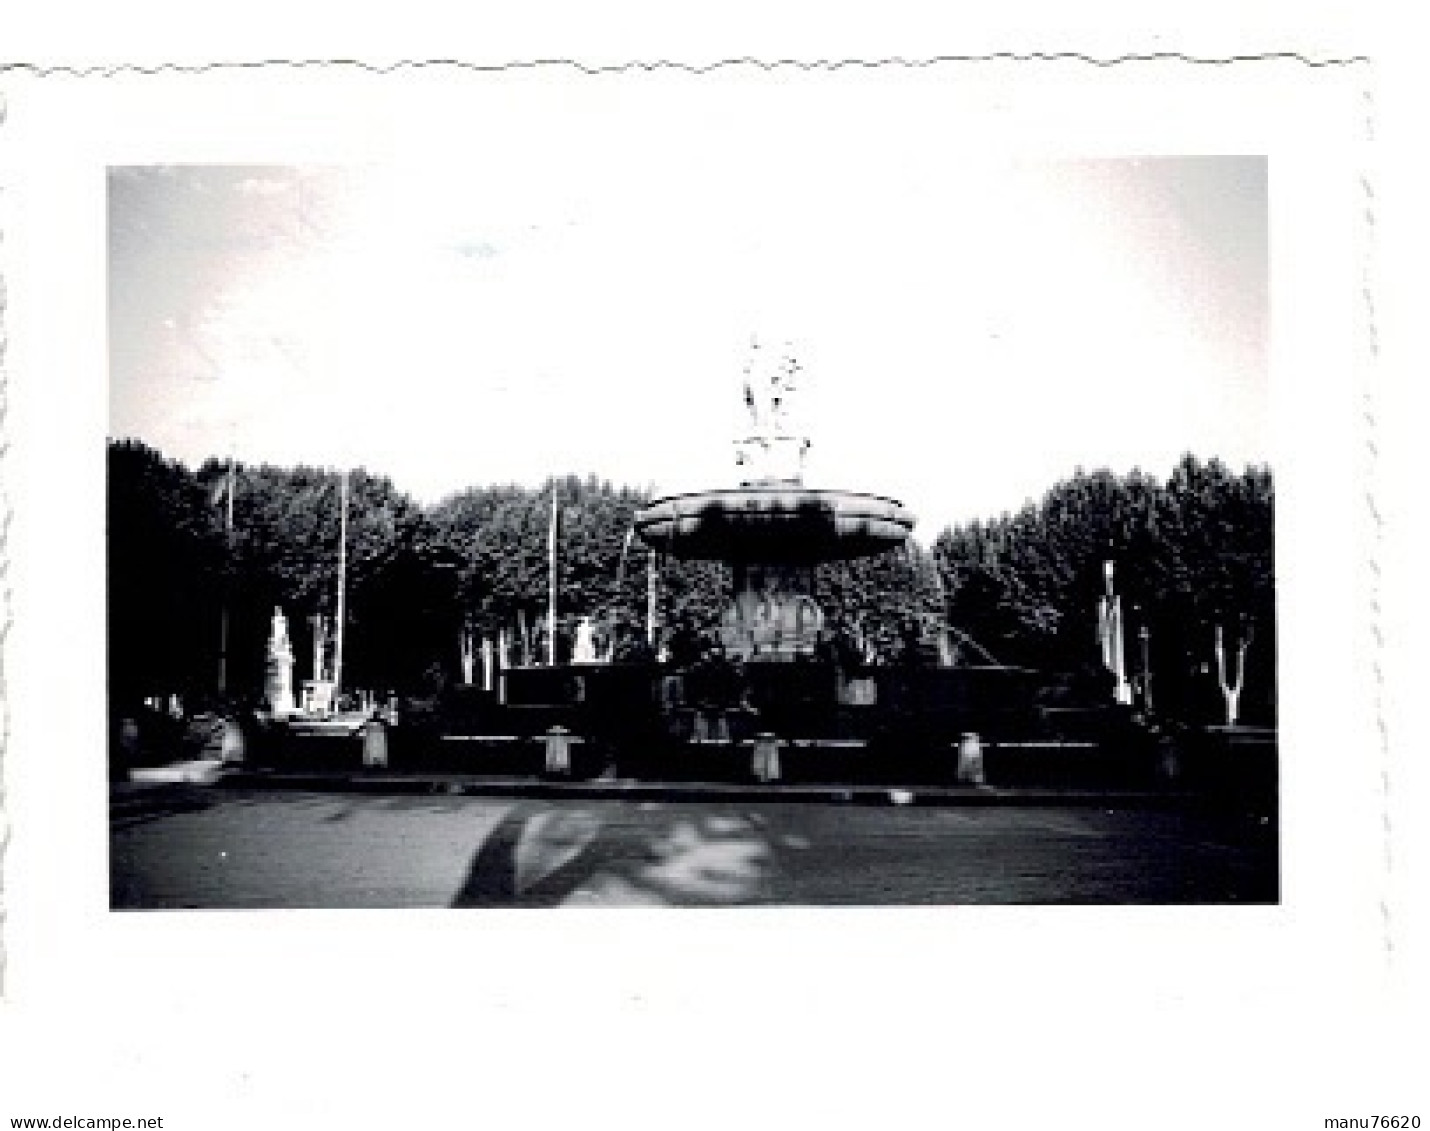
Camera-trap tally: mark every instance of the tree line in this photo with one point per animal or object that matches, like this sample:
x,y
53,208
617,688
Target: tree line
x,y
199,559
1194,561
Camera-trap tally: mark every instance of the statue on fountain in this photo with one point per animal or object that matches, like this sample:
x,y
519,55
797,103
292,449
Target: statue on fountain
x,y
771,529
773,452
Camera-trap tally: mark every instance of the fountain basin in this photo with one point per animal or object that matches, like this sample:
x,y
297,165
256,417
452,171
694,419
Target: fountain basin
x,y
774,523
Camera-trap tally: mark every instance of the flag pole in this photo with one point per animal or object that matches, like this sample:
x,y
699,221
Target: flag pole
x,y
650,598
551,583
227,570
342,587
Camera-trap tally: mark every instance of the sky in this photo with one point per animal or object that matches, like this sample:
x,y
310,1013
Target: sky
x,y
579,295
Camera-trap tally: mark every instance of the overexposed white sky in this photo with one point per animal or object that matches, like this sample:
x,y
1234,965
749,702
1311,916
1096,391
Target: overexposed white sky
x,y
578,295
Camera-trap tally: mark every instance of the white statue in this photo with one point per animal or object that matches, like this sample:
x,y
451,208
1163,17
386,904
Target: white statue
x,y
584,649
280,667
771,378
773,452
278,643
1109,636
467,644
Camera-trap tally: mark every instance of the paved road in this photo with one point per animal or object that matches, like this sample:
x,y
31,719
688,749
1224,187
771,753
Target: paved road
x,y
227,848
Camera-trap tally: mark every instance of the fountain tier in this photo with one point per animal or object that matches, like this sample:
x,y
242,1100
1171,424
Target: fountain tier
x,y
773,535
772,530
773,524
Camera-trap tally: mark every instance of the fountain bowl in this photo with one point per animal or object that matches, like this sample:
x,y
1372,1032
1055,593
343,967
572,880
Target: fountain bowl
x,y
775,523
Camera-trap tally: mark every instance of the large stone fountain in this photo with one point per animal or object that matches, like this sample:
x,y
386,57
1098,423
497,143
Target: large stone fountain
x,y
771,529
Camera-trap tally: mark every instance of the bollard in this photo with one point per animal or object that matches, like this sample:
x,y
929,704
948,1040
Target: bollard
x,y
766,759
129,740
374,744
970,760
558,750
1169,760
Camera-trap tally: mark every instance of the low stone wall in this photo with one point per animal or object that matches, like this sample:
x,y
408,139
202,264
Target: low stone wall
x,y
147,738
1238,765
635,721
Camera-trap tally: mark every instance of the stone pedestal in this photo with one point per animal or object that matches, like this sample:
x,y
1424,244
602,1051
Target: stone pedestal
x,y
374,745
558,750
771,457
129,741
1169,759
970,760
766,758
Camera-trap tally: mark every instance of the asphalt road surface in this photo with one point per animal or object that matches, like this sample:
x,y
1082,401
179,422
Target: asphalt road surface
x,y
189,847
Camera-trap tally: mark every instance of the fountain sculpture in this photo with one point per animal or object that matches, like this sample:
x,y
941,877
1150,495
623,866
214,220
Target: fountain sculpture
x,y
771,529
791,696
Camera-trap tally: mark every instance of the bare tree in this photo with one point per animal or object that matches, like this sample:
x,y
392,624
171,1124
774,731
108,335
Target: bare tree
x,y
1231,691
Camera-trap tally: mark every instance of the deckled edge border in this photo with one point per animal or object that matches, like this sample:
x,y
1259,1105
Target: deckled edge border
x,y
1369,422
1371,393
113,70
6,517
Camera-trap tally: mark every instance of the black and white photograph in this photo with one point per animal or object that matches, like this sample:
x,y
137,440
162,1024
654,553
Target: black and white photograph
x,y
580,529
764,553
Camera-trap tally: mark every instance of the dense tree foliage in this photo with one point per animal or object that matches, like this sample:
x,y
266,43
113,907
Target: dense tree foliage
x,y
1193,555
885,607
500,537
284,553
1190,554
164,576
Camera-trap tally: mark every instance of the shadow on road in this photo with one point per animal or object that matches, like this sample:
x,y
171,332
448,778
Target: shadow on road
x,y
546,856
185,847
